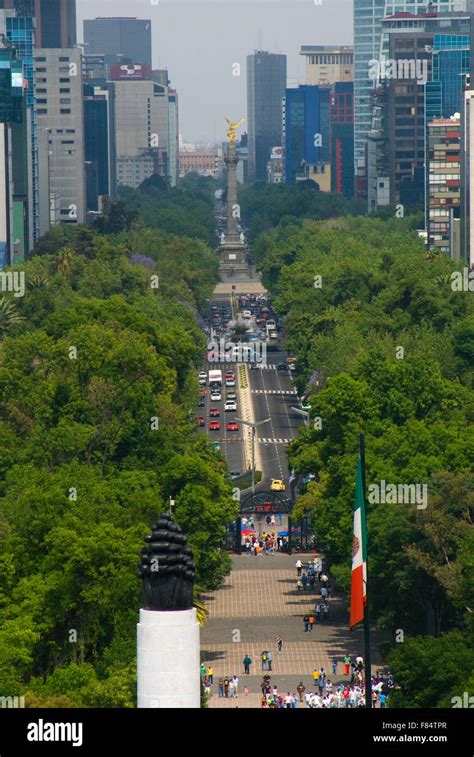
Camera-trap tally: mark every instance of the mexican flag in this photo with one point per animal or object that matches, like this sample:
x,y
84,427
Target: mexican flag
x,y
359,554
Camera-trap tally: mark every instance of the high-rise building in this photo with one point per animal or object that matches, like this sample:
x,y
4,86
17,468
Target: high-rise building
x,y
378,179
266,82
451,60
368,16
342,138
370,44
443,185
59,102
21,34
119,39
327,65
99,143
418,77
467,177
15,153
56,23
142,125
307,140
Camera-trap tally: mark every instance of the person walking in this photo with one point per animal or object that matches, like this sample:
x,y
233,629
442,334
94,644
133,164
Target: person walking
x,y
312,580
322,678
264,660
347,662
315,677
299,566
299,585
236,686
246,691
203,670
317,611
220,688
301,688
306,622
279,642
210,675
311,622
270,660
324,593
334,666
304,581
226,687
247,663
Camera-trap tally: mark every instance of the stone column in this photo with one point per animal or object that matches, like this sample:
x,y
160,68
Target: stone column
x,y
168,660
168,670
231,160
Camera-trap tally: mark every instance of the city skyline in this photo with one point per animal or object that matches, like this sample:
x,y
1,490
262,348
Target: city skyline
x,y
214,44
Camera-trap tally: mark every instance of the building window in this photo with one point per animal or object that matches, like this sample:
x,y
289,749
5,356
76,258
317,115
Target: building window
x,y
65,111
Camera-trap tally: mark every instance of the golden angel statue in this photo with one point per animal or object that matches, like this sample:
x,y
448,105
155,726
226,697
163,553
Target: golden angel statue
x,y
233,128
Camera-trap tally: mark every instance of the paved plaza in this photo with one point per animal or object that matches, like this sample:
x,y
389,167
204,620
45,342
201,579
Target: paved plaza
x,y
258,602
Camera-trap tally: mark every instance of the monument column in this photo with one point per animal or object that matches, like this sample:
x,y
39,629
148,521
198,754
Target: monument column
x,y
231,160
232,249
168,660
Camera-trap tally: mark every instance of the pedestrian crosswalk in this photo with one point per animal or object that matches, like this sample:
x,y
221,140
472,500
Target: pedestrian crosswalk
x,y
274,391
264,440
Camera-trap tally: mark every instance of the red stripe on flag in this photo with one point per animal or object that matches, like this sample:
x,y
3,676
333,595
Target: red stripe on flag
x,y
357,596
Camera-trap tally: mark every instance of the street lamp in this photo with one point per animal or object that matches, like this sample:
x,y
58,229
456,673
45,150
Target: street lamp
x,y
253,426
306,415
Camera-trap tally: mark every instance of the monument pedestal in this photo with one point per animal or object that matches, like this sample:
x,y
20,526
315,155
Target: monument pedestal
x,y
233,255
168,664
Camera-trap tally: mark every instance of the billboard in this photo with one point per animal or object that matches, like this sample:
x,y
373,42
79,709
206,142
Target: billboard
x,y
130,72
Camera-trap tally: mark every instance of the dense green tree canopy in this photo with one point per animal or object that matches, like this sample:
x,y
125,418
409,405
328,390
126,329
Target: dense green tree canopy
x,y
98,384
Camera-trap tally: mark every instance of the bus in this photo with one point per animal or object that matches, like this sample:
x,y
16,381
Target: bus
x,y
215,378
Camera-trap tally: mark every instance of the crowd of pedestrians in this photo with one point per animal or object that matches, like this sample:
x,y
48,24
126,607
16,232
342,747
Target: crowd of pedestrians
x,y
265,543
325,692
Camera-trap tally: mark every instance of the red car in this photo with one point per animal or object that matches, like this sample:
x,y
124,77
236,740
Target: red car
x,y
214,412
214,426
201,420
232,426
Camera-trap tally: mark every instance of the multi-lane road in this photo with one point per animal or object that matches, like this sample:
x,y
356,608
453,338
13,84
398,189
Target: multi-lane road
x,y
272,395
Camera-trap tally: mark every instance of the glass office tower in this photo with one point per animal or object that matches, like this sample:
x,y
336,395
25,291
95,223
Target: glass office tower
x,y
368,45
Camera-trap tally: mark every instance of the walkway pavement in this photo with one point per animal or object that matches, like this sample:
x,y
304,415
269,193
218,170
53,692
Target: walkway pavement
x,y
258,602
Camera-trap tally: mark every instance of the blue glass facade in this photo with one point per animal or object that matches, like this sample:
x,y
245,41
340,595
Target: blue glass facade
x,y
306,116
369,44
20,32
451,59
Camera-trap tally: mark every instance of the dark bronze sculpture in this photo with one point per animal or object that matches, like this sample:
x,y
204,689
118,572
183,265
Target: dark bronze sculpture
x,y
167,568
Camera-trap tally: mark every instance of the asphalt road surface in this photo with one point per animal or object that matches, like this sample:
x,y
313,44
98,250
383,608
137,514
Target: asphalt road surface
x,y
273,396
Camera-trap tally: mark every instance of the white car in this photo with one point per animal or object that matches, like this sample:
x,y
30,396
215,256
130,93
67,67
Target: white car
x,y
230,405
216,397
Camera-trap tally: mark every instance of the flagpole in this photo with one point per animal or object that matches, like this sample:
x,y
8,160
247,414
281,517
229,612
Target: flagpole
x,y
368,671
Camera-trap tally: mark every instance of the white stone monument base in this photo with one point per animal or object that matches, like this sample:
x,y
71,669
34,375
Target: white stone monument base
x,y
168,664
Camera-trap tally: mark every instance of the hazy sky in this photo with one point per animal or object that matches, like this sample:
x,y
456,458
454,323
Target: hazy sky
x,y
199,40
